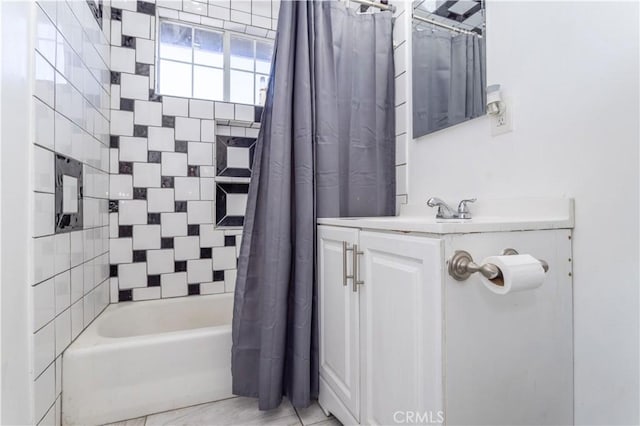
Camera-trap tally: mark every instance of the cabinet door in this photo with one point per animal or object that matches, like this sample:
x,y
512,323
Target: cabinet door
x,y
401,326
338,317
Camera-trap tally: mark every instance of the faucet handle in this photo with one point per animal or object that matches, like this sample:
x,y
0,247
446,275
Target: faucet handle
x,y
463,208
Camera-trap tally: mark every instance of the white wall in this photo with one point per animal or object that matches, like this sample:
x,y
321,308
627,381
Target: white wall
x,y
570,72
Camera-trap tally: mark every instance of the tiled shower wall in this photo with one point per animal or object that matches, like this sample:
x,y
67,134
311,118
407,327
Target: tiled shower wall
x,y
164,241
70,270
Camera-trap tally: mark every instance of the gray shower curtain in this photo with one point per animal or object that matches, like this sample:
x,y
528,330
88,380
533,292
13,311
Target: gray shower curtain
x,y
449,79
326,148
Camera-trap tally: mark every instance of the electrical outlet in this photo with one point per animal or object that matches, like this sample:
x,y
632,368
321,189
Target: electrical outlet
x,y
503,123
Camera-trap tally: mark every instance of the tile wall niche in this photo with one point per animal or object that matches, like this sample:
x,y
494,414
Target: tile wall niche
x,y
70,157
166,196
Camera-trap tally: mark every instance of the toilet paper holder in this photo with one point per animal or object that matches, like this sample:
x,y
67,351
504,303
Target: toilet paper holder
x,y
461,265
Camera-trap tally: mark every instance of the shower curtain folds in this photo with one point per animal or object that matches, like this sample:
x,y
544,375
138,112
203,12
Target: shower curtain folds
x,y
326,148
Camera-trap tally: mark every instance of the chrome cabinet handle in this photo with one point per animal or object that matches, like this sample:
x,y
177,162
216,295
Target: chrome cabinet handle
x,y
356,272
345,277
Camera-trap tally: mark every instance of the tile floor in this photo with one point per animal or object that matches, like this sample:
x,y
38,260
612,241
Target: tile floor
x,y
236,411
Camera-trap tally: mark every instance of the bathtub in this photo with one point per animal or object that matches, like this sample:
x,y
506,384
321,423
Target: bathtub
x,y
139,358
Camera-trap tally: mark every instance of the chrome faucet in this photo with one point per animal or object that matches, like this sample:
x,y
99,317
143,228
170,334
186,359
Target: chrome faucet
x,y
446,212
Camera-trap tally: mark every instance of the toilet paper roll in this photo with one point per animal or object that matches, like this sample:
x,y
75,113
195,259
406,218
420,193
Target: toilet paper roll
x,y
519,273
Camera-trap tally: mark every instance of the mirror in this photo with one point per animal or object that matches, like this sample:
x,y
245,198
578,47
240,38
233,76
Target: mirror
x,y
449,65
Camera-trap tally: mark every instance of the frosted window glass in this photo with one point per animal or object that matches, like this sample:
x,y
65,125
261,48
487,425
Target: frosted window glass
x,y
175,78
242,87
264,51
242,55
208,83
208,48
175,42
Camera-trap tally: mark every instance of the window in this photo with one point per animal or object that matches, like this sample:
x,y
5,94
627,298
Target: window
x,y
200,63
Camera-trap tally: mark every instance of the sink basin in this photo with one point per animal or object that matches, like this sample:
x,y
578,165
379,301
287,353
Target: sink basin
x,y
519,215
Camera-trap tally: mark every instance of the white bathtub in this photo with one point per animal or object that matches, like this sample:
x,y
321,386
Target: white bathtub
x,y
139,358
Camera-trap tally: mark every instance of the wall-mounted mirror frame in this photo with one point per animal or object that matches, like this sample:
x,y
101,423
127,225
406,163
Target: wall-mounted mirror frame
x,y
448,63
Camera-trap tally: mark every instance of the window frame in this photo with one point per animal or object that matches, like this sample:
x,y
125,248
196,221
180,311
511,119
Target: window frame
x,y
226,68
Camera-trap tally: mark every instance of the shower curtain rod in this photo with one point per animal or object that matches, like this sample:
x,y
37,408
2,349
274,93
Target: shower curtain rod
x,y
381,6
442,25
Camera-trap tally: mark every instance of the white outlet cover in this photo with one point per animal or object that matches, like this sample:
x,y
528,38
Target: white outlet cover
x,y
69,194
507,122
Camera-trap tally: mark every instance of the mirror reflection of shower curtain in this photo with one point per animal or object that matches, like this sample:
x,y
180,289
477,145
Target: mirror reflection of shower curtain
x,y
449,79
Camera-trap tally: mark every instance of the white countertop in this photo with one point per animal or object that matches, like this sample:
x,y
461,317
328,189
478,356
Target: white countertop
x,y
488,216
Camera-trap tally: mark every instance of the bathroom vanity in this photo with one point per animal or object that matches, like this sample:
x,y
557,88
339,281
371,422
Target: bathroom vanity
x,y
402,341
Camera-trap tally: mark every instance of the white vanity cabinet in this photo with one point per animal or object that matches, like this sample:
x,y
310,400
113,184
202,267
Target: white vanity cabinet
x,y
411,345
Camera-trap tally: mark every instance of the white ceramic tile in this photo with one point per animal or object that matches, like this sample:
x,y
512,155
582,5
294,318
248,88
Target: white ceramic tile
x,y
113,225
240,17
224,111
401,149
44,392
44,349
207,189
207,130
187,188
261,7
63,331
43,124
186,248
45,36
236,204
169,13
238,131
77,319
212,287
123,59
175,106
121,187
401,119
44,170
148,113
233,411
219,12
114,156
196,7
199,271
133,148
160,200
88,273
188,17
259,21
200,109
238,157
77,283
120,250
136,24
44,214
210,236
121,123
134,87
146,293
44,80
63,132
132,212
250,132
174,285
132,275
88,308
161,139
230,280
199,212
145,51
62,252
44,259
174,164
187,129
160,261
244,113
207,171
212,22
116,32
146,175
223,258
77,247
173,224
146,237
200,153
113,289
62,286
